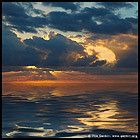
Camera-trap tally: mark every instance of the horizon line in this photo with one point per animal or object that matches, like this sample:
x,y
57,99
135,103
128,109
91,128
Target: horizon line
x,y
66,82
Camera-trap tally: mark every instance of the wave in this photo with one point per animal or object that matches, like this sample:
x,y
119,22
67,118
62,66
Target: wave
x,y
23,133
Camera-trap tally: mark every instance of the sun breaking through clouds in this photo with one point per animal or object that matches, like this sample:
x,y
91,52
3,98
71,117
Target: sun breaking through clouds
x,y
70,34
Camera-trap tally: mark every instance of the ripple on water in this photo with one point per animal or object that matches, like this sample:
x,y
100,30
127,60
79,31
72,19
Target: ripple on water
x,y
39,114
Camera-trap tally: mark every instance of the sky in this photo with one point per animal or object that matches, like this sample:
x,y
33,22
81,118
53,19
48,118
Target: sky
x,y
88,38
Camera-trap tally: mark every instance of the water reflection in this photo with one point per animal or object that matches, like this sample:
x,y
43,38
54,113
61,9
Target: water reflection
x,y
45,110
101,116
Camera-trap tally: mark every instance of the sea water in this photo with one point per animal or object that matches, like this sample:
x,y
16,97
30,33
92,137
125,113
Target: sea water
x,y
69,110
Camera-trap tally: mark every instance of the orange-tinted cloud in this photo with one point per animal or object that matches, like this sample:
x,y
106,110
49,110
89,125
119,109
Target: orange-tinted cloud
x,y
113,48
61,76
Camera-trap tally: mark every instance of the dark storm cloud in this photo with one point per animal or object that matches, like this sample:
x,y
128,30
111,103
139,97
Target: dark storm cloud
x,y
57,51
26,24
88,19
11,47
98,63
110,27
115,5
29,7
31,57
85,61
19,16
68,22
57,42
92,20
60,50
11,9
134,25
19,9
129,60
14,52
96,12
65,5
64,21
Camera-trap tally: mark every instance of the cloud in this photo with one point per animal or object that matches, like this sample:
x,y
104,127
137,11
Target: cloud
x,y
105,27
18,9
124,46
15,52
109,22
128,60
65,5
29,8
63,21
76,74
91,20
98,36
134,25
11,9
85,61
116,5
126,51
22,21
11,47
98,63
96,12
58,50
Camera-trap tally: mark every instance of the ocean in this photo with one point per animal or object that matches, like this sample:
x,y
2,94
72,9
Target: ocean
x,y
69,110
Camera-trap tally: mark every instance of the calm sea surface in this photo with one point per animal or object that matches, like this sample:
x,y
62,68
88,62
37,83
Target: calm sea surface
x,y
69,110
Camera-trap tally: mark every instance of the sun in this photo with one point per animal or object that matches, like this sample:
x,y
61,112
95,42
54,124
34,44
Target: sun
x,y
31,67
103,53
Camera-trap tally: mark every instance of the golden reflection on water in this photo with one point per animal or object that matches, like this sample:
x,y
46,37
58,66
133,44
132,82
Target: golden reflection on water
x,y
63,89
103,110
102,116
